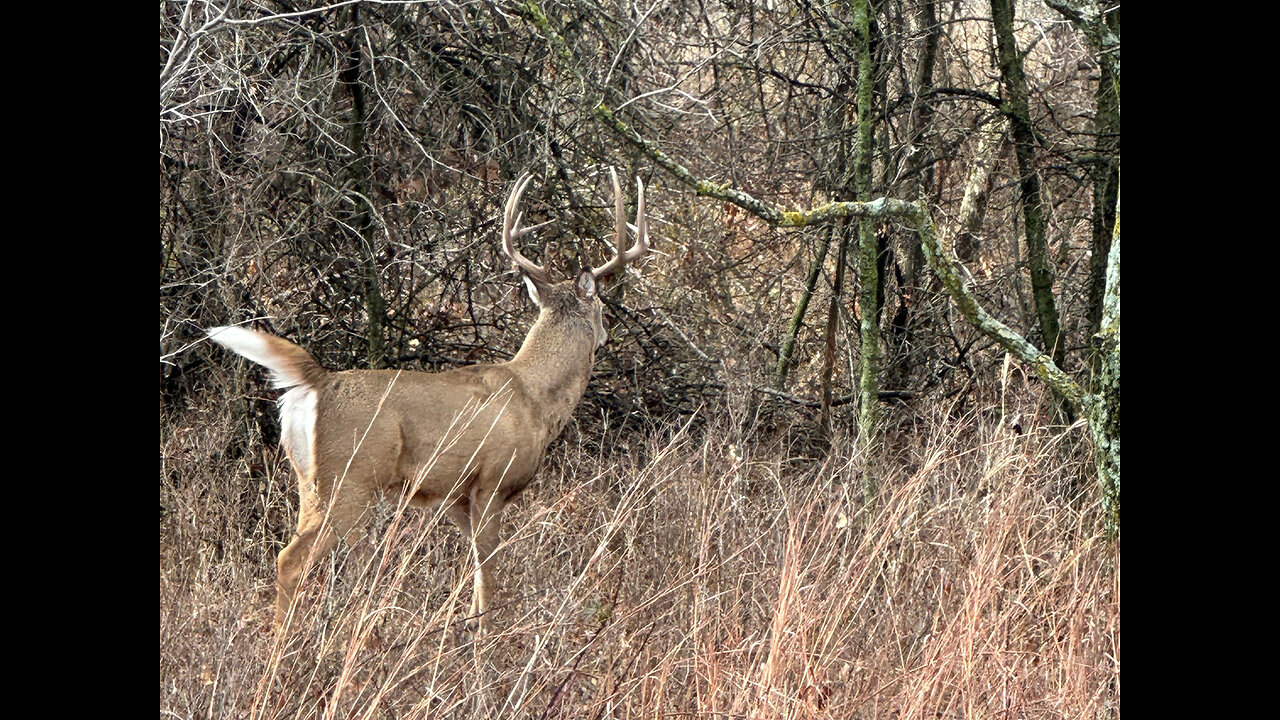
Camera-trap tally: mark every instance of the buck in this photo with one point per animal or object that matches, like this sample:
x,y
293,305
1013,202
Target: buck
x,y
467,439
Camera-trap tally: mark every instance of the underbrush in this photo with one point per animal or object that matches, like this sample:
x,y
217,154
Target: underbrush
x,y
693,575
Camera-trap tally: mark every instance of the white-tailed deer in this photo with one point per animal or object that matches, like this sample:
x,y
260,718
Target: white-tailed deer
x,y
467,439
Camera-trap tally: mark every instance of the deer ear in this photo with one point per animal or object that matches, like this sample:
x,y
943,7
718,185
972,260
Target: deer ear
x,y
586,285
532,287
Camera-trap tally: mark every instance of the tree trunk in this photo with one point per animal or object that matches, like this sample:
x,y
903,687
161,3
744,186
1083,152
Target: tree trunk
x,y
1019,114
361,197
920,168
833,319
1106,185
974,203
1104,415
797,318
868,292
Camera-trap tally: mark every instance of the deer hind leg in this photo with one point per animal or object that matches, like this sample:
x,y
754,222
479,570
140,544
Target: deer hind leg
x,y
319,529
312,540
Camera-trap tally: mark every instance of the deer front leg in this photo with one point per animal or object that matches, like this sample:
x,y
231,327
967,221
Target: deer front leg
x,y
486,511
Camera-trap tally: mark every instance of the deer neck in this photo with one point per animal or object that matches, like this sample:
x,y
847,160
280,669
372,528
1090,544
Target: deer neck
x,y
554,364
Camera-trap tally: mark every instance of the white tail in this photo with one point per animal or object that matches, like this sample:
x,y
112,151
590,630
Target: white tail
x,y
467,439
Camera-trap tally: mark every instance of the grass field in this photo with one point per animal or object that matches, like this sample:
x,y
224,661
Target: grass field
x,y
701,573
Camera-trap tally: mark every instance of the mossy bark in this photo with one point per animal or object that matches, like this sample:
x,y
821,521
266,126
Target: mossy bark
x,y
946,267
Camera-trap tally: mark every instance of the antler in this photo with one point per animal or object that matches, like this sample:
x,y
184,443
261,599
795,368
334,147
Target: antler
x,y
511,231
641,247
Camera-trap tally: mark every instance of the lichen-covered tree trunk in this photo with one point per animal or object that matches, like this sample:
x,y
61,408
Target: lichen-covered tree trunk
x,y
973,204
946,267
1018,111
1101,27
869,271
1104,410
1103,405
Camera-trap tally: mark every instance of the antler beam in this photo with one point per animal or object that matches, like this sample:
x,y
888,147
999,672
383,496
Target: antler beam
x,y
511,232
641,247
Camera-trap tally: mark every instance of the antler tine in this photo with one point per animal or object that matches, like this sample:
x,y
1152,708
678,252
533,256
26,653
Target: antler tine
x,y
619,213
518,232
641,228
511,231
642,220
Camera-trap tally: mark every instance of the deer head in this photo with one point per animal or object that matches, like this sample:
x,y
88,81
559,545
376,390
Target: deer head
x,y
581,296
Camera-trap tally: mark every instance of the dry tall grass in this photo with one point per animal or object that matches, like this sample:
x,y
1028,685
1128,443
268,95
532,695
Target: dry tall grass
x,y
692,577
